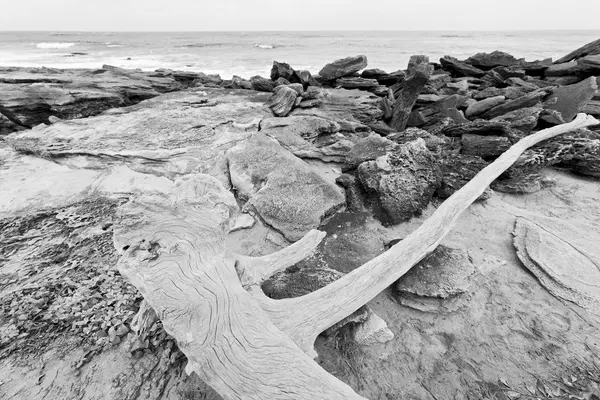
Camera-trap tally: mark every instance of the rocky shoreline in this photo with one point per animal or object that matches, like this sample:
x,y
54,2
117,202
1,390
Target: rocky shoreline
x,y
359,153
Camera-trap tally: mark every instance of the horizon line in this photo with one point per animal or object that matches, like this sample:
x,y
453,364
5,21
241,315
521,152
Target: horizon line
x,y
294,30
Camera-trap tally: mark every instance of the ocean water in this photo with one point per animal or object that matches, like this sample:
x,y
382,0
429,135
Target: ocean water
x,y
252,53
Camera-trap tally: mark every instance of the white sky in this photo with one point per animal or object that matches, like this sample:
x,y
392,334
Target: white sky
x,y
265,15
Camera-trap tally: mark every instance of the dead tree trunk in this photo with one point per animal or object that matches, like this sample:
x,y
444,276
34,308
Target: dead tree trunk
x,y
243,344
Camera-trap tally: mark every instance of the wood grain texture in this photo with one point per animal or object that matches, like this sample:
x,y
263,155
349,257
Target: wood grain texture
x,y
175,254
319,310
245,345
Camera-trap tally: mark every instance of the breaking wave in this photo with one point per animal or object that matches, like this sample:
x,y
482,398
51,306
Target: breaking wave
x,y
54,45
264,46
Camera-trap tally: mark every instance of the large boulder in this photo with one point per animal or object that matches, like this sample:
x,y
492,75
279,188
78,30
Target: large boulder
x,y
262,84
343,67
282,102
402,181
283,190
283,70
367,149
419,72
494,59
570,100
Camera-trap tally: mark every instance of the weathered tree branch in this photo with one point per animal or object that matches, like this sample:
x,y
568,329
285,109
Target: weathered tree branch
x,y
248,346
305,317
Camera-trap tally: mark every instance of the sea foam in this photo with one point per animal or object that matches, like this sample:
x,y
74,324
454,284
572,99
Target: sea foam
x,y
54,45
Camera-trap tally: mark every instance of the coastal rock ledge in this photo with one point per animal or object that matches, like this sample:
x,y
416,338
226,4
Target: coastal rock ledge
x,y
135,204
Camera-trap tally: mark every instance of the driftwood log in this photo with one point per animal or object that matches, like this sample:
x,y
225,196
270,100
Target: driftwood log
x,y
242,343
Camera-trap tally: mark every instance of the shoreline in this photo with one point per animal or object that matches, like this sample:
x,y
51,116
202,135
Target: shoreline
x,y
363,155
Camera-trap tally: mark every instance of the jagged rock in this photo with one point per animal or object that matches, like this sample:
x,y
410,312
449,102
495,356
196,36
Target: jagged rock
x,y
432,114
306,79
416,62
204,79
403,181
240,83
343,67
310,103
433,143
460,68
300,280
570,100
367,149
551,117
283,70
478,127
419,73
457,171
527,100
524,119
589,49
282,189
28,96
525,86
522,184
282,101
513,72
570,68
310,137
589,65
536,67
484,105
510,93
494,59
352,109
282,82
563,80
494,78
484,146
579,149
443,275
262,84
561,258
592,107
312,93
297,87
357,83
383,77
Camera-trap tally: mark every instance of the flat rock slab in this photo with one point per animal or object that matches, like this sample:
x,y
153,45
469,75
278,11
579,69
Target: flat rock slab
x,y
311,137
343,67
444,273
283,190
570,100
166,136
564,257
29,96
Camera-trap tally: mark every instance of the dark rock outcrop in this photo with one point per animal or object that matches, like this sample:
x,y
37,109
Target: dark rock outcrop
x,y
283,70
403,181
343,67
527,100
460,68
282,101
570,100
590,49
419,73
262,84
457,171
484,146
494,59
